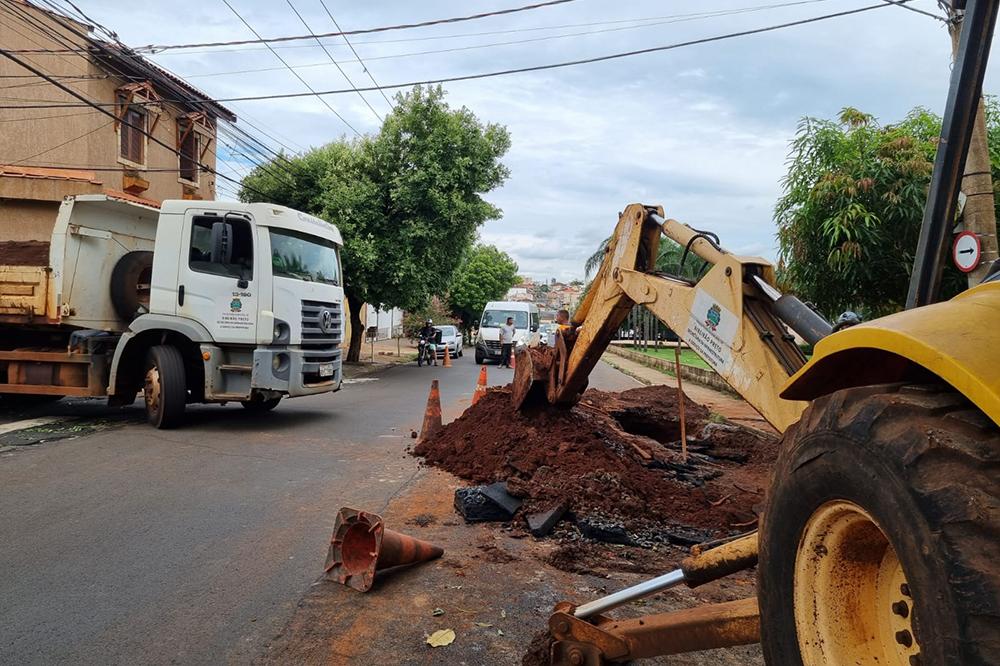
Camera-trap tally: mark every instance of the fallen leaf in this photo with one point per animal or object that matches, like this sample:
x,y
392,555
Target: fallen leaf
x,y
441,637
499,632
503,613
437,612
483,624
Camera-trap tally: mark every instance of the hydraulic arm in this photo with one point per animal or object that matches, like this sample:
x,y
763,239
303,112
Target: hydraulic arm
x,y
733,317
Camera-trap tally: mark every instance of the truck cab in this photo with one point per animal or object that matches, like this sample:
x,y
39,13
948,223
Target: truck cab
x,y
197,302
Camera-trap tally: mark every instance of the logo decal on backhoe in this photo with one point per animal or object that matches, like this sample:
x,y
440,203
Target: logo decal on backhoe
x,y
711,332
235,305
713,317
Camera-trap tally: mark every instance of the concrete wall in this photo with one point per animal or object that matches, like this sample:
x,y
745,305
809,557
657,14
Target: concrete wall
x,y
79,138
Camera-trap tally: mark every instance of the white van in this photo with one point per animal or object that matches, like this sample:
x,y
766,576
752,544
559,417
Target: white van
x,y
494,316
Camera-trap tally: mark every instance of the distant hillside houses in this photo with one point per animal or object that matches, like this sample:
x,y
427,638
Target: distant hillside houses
x,y
549,296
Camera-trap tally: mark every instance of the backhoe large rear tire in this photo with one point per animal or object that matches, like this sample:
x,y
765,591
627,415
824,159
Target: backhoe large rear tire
x,y
880,543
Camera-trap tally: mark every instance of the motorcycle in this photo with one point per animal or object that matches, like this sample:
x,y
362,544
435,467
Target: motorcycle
x,y
424,352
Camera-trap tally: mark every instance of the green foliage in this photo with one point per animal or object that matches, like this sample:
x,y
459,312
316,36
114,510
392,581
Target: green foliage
x,y
850,215
484,275
668,260
407,201
435,310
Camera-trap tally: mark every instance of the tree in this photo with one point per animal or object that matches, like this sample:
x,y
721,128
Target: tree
x,y
435,310
407,201
484,275
850,215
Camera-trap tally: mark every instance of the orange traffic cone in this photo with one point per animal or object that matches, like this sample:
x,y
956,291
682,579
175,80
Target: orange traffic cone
x,y
513,359
447,358
432,415
480,386
361,545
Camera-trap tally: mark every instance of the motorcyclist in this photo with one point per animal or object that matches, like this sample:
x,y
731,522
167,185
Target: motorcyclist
x,y
429,333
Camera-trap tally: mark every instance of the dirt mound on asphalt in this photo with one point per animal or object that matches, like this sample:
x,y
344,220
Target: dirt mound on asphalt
x,y
614,459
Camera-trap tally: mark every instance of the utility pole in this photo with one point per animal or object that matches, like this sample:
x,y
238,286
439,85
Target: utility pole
x,y
979,214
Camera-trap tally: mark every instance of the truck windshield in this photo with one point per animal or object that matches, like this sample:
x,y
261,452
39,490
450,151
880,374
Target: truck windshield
x,y
304,257
497,318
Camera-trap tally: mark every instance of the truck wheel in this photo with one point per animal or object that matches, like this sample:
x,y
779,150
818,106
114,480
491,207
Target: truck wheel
x,y
879,540
259,406
130,284
165,387
479,358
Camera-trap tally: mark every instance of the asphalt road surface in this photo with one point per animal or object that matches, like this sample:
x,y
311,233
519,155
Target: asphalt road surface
x,y
124,544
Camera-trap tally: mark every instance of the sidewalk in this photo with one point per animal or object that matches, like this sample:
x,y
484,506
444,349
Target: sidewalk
x,y
733,408
385,356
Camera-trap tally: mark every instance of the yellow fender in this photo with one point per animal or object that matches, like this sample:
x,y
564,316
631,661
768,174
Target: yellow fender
x,y
957,341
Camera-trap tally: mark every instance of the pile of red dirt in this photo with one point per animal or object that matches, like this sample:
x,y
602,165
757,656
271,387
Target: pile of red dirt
x,y
614,458
24,253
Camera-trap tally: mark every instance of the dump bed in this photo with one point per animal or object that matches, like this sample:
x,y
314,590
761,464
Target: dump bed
x,y
68,280
24,280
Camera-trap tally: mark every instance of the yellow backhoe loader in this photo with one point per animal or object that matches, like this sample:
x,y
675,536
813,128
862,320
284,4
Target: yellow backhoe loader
x,y
880,540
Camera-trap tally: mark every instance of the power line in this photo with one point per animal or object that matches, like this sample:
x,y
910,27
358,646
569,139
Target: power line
x,y
534,68
124,122
360,61
470,47
657,20
237,133
64,143
404,26
919,11
330,56
292,69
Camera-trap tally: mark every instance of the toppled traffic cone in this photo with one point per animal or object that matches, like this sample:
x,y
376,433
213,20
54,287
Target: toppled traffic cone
x,y
361,545
480,386
447,357
432,415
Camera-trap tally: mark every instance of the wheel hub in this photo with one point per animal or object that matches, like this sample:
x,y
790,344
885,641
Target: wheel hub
x,y
151,389
852,603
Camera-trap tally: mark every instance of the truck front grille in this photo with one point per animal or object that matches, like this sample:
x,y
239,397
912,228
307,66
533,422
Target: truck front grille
x,y
321,346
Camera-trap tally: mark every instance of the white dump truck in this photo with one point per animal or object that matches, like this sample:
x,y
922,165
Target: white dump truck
x,y
198,301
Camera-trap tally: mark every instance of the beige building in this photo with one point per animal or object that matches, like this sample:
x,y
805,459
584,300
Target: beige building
x,y
49,153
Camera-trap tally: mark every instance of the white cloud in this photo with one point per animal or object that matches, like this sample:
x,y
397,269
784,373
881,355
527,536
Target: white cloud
x,y
703,130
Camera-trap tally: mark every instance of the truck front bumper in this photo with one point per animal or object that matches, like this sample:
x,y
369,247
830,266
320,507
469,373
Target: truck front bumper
x,y
295,371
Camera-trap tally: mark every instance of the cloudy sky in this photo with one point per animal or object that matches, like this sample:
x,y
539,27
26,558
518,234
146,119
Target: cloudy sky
x,y
702,130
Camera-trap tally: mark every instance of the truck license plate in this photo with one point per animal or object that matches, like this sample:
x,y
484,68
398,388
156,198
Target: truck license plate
x,y
326,370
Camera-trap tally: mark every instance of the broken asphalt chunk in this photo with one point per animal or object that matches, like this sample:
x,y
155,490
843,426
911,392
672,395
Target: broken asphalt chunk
x,y
602,529
486,503
542,523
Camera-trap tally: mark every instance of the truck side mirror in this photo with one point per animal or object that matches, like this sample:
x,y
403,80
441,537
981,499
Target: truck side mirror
x,y
222,243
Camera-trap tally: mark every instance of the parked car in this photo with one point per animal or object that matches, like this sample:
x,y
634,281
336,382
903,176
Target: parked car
x,y
451,338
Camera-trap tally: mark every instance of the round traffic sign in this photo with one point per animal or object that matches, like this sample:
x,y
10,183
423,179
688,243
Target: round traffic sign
x,y
966,251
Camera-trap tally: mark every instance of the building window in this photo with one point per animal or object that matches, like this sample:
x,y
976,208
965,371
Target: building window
x,y
189,149
132,144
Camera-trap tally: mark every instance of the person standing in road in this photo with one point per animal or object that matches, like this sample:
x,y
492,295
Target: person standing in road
x,y
506,342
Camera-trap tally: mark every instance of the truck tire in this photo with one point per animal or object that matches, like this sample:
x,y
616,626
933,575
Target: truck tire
x,y
880,540
479,358
130,284
259,406
165,387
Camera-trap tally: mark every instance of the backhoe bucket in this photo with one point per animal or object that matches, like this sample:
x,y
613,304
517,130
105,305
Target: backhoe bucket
x,y
531,373
362,545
